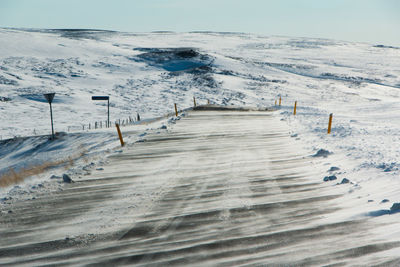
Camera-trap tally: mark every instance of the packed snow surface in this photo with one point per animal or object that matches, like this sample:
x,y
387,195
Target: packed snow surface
x,y
219,188
147,73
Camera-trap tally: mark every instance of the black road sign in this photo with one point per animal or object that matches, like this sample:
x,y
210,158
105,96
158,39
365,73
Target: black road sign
x,y
49,97
100,97
104,97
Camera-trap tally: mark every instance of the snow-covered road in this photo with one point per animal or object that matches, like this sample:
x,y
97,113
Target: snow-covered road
x,y
217,188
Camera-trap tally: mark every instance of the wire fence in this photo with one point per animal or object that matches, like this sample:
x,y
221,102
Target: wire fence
x,y
105,124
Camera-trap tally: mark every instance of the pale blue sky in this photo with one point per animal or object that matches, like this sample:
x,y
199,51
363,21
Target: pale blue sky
x,y
374,21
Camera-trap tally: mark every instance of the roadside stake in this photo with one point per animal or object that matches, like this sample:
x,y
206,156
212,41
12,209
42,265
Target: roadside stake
x,y
194,101
295,107
280,101
176,110
119,135
330,123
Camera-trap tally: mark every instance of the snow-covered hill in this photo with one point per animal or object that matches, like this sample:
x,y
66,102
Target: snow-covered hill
x,y
147,73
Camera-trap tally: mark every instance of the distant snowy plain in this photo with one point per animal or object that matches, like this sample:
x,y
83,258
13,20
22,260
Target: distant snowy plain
x,y
147,73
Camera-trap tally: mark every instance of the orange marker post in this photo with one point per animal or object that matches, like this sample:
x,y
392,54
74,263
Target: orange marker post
x,y
280,101
330,123
295,107
119,135
176,110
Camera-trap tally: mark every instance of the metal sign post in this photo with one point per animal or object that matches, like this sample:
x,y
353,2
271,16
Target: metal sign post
x,y
108,106
49,97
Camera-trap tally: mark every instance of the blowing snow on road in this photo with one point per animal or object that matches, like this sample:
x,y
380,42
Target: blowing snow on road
x,y
247,186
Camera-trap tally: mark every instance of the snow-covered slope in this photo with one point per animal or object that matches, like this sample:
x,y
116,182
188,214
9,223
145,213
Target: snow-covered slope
x,y
147,73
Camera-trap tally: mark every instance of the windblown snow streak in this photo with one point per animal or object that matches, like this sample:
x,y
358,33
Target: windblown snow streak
x,y
220,188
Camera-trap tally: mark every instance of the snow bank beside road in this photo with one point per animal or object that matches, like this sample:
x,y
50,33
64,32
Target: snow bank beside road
x,y
74,155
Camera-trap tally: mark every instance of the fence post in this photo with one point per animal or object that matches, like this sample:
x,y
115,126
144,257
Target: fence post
x,y
138,117
176,110
194,101
330,123
119,135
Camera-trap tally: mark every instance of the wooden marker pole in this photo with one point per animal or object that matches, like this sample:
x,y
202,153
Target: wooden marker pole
x,y
330,123
295,107
280,101
176,110
194,101
119,135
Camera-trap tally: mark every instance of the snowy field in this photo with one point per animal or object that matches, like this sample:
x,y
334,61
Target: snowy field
x,y
147,73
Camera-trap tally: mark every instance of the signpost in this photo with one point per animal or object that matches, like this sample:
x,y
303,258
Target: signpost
x,y
108,106
49,97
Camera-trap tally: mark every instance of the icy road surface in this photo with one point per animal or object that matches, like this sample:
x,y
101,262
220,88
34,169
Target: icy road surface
x,y
218,188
